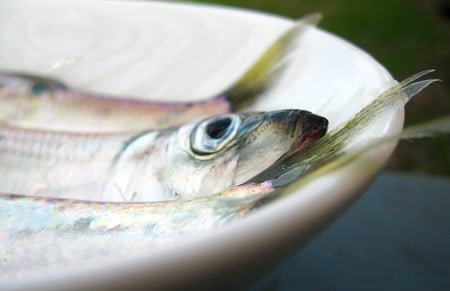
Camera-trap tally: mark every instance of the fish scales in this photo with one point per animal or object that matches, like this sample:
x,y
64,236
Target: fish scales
x,y
40,234
34,160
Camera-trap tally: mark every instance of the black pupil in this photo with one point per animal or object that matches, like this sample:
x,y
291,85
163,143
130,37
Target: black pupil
x,y
218,128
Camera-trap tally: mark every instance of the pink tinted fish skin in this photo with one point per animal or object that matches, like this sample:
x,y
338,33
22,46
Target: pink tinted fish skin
x,y
59,108
19,213
38,234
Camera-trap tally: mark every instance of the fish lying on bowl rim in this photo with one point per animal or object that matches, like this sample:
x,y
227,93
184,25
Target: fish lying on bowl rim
x,y
213,154
57,232
39,102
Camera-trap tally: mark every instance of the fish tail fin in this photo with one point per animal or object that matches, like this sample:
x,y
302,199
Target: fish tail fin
x,y
333,144
268,67
436,128
400,93
336,159
411,86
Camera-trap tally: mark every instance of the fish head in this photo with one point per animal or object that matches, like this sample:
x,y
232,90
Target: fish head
x,y
29,84
227,150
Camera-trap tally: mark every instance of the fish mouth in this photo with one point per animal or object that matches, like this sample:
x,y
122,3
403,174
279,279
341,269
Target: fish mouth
x,y
310,126
303,129
301,125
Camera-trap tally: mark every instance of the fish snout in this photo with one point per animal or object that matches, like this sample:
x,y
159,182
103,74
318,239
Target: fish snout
x,y
314,126
301,122
305,127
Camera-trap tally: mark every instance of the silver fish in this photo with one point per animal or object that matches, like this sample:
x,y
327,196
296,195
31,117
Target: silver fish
x,y
39,102
39,234
192,160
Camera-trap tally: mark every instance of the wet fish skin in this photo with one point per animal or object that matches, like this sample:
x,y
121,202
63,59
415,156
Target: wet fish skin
x,y
215,153
60,108
41,213
32,228
39,102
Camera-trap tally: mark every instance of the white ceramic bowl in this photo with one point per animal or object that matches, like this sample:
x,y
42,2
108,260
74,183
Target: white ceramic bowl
x,y
176,51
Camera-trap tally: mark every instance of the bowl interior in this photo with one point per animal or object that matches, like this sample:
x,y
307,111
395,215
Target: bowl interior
x,y
174,51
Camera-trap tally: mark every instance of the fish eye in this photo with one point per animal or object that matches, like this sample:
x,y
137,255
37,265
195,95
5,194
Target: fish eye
x,y
38,88
218,128
214,134
42,85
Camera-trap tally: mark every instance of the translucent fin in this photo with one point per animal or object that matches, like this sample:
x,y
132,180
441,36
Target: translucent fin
x,y
269,66
333,144
415,77
434,128
415,88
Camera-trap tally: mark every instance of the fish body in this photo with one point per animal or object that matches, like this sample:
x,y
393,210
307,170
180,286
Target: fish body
x,y
214,153
40,234
40,213
40,102
62,109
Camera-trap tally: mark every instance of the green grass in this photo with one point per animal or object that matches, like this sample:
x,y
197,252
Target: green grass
x,y
406,36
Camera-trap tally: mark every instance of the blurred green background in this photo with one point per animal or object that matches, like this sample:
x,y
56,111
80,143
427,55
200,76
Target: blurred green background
x,y
406,36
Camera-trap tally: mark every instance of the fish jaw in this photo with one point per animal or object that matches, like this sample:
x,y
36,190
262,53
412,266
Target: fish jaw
x,y
279,133
313,128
